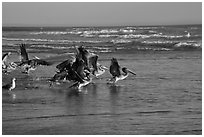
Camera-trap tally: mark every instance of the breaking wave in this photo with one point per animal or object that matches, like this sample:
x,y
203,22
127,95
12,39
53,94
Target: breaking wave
x,y
108,39
51,40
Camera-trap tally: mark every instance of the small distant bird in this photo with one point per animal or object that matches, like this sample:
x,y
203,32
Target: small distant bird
x,y
188,35
11,85
116,73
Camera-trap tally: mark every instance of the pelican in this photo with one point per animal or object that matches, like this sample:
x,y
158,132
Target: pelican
x,y
73,70
90,60
11,85
4,59
98,69
63,71
116,73
5,65
29,64
80,74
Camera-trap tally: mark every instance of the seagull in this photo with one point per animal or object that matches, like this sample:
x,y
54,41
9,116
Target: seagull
x,y
11,85
188,35
116,73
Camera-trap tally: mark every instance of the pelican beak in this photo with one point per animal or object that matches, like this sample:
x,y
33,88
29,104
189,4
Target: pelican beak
x,y
131,72
104,67
76,49
91,55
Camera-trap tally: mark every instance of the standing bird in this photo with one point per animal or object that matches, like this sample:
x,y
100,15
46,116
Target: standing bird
x,y
11,85
116,73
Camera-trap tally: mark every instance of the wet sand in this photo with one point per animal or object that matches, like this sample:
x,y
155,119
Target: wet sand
x,y
164,98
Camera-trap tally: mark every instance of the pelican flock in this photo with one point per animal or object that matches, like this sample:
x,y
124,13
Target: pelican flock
x,y
80,69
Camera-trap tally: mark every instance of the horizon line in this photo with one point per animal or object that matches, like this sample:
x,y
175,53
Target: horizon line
x,y
95,25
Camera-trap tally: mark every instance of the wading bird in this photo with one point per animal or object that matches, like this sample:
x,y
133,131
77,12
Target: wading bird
x,y
116,72
97,69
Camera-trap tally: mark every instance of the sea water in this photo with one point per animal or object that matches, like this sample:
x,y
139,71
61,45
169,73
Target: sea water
x,y
165,97
105,39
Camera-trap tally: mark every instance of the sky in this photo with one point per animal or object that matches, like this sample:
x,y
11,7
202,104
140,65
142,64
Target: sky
x,y
100,13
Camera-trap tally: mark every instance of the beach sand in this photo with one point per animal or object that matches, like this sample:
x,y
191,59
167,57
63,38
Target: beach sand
x,y
165,97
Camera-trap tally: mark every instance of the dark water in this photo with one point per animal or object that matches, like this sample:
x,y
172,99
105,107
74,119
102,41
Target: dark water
x,y
165,97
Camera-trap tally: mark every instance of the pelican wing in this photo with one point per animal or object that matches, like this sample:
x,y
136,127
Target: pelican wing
x,y
93,62
115,68
4,57
23,53
79,78
64,64
40,62
59,76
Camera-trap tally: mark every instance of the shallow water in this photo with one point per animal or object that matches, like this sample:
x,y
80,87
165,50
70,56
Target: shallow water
x,y
164,98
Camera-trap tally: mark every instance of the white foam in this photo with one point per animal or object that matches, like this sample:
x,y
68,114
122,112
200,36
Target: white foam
x,y
108,35
53,47
120,41
130,36
158,42
51,40
189,43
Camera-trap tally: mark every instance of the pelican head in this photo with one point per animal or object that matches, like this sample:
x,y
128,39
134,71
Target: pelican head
x,y
125,70
113,60
81,62
103,67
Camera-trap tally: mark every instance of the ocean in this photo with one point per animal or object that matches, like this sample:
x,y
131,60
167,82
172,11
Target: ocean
x,y
105,39
164,98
